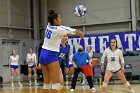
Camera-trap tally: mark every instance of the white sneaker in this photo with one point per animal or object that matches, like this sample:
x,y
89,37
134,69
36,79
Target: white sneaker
x,y
83,83
67,83
93,89
72,90
20,84
36,84
30,83
132,91
12,85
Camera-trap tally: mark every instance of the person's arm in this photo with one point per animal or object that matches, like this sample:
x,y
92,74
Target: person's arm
x,y
122,60
10,61
27,59
73,61
67,30
35,59
89,59
74,65
102,59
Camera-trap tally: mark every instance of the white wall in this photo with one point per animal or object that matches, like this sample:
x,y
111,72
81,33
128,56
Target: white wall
x,y
98,12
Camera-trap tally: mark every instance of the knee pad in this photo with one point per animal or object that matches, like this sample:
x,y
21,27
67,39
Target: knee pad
x,y
29,75
35,75
105,84
56,86
127,84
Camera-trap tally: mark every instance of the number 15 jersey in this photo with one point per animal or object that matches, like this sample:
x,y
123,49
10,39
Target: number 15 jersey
x,y
113,58
53,36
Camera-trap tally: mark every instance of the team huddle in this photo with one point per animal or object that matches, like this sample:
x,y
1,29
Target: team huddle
x,y
56,59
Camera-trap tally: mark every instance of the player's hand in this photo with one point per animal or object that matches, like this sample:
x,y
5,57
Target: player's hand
x,y
90,65
67,70
75,66
79,33
123,69
102,67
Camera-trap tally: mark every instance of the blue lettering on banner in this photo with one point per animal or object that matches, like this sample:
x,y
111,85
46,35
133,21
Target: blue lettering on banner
x,y
128,41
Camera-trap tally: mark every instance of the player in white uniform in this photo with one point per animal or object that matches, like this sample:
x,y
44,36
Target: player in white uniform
x,y
113,55
88,49
32,65
49,53
70,69
14,67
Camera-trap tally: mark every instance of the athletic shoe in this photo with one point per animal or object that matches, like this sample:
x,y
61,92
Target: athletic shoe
x,y
36,84
71,90
30,83
83,83
12,85
132,91
20,85
67,83
93,89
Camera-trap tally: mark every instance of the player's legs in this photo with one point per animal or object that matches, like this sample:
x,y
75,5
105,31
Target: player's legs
x,y
29,75
71,71
54,73
12,76
67,71
18,76
61,77
35,75
108,75
46,77
121,76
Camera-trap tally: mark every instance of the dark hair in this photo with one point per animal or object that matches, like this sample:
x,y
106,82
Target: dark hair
x,y
51,16
12,52
116,43
30,48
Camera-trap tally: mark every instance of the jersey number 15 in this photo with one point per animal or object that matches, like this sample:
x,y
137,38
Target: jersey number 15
x,y
48,34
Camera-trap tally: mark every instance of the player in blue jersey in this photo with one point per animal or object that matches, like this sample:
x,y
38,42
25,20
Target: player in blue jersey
x,y
49,54
64,55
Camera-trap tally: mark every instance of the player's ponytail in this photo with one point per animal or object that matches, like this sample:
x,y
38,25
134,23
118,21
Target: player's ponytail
x,y
51,16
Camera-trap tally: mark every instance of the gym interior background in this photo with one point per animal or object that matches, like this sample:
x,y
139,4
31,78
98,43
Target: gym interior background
x,y
22,23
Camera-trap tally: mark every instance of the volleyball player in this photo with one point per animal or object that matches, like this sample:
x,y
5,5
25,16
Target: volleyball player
x,y
64,55
14,67
113,55
49,53
32,66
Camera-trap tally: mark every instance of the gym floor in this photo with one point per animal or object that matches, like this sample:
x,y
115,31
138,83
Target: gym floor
x,y
118,88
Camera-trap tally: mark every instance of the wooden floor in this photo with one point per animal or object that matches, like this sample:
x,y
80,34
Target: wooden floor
x,y
79,89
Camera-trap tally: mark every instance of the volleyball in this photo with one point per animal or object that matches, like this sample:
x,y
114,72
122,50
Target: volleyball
x,y
80,10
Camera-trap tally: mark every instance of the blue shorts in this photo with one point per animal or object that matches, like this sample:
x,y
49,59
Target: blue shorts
x,y
47,56
31,66
70,65
14,66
